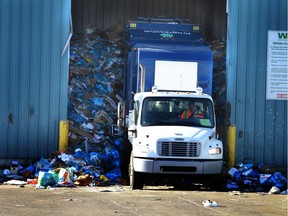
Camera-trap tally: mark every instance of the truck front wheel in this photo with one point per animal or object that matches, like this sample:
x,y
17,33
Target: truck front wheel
x,y
136,180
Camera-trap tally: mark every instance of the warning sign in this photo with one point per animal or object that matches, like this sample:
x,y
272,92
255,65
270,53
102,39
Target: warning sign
x,y
277,66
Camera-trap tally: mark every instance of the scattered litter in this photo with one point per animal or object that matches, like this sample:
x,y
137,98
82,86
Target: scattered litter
x,y
209,203
6,172
15,182
69,199
51,188
235,193
110,190
83,180
274,190
264,177
14,167
46,179
15,177
231,185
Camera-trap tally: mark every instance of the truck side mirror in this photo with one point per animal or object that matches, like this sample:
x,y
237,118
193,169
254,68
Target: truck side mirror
x,y
121,115
131,125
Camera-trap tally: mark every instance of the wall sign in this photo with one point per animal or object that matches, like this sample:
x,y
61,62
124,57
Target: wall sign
x,y
277,66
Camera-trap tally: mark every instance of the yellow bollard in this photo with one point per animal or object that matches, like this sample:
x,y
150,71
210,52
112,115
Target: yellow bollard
x,y
63,135
231,145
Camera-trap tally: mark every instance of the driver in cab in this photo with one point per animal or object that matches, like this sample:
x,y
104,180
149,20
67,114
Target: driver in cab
x,y
192,112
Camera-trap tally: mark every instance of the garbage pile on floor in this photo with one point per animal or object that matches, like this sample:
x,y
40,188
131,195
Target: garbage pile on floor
x,y
67,170
251,178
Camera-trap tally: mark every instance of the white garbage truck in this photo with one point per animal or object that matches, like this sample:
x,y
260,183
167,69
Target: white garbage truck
x,y
168,113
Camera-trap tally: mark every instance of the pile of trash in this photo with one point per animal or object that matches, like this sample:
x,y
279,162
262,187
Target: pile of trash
x,y
95,88
218,49
66,170
251,178
95,83
219,69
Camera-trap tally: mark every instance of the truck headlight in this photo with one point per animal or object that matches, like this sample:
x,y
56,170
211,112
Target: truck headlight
x,y
214,151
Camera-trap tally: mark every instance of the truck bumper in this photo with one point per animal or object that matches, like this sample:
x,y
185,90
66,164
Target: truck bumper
x,y
178,166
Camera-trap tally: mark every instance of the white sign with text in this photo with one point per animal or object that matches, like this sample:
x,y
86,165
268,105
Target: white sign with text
x,y
277,66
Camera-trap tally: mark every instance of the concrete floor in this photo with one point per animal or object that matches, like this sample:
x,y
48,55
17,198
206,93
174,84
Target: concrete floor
x,y
120,200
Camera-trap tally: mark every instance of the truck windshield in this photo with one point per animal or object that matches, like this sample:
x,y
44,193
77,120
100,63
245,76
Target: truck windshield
x,y
197,112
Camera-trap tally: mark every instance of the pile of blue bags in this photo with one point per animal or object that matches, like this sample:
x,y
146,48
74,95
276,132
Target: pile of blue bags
x,y
260,178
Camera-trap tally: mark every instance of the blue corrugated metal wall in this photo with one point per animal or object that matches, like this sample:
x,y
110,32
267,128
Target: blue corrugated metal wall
x,y
33,75
263,122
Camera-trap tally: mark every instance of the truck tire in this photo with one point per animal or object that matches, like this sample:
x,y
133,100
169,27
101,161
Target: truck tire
x,y
136,180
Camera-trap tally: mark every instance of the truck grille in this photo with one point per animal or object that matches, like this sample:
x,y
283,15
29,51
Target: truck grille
x,y
179,149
